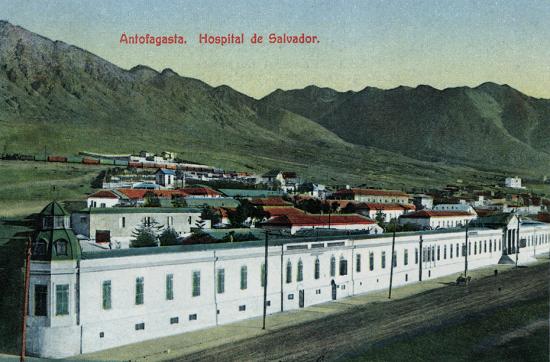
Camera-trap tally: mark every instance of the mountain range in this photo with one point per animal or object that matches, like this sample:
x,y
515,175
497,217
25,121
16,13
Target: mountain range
x,y
64,99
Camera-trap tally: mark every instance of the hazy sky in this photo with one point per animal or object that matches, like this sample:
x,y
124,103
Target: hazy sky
x,y
362,43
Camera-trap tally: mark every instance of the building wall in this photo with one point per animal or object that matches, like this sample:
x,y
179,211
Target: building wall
x,y
94,328
382,199
102,202
122,225
438,222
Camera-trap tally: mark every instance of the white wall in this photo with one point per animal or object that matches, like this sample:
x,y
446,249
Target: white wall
x,y
212,308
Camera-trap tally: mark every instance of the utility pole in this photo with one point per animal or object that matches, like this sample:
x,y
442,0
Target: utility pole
x,y
465,249
392,256
25,302
517,241
421,259
265,280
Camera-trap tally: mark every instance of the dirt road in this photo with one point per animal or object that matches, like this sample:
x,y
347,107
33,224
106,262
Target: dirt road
x,y
350,333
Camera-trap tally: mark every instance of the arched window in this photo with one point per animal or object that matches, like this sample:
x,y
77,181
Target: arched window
x,y
343,266
288,272
40,248
317,273
61,247
300,273
332,266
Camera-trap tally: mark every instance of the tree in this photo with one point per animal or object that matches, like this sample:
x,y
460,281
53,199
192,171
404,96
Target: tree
x,y
209,213
244,211
151,200
146,234
380,218
169,236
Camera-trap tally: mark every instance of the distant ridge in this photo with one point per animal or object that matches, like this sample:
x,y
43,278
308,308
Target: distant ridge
x,y
65,99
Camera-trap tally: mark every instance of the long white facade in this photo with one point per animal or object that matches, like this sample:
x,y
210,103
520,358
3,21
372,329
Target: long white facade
x,y
112,298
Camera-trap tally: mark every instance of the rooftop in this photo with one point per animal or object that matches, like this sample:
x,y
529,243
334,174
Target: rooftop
x,y
139,210
422,214
371,192
273,241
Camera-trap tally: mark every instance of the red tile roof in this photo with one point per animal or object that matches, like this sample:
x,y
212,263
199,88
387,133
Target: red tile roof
x,y
139,194
370,192
201,191
424,214
105,194
318,220
381,206
280,211
270,201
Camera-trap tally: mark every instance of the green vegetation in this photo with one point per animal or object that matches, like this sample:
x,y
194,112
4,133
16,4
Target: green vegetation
x,y
480,337
26,187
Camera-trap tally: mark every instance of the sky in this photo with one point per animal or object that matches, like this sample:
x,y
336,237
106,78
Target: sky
x,y
361,42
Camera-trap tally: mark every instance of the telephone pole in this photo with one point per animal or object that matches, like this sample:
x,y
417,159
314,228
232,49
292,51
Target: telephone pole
x,y
421,259
392,256
25,302
465,250
265,280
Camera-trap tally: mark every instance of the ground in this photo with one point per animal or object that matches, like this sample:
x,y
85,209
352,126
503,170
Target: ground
x,y
502,318
26,187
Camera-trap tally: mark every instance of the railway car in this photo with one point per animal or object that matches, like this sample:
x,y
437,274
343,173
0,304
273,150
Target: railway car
x,y
57,159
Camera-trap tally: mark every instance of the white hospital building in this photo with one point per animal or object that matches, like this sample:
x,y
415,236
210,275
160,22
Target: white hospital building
x,y
83,302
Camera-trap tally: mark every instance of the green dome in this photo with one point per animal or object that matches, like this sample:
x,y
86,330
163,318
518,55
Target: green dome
x,y
53,209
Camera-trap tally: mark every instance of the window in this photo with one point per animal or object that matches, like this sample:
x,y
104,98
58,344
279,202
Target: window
x,y
40,300
484,246
416,255
451,251
433,253
406,257
490,246
196,281
290,296
288,272
429,251
458,250
103,205
106,294
220,280
383,260
244,277
170,220
139,290
343,266
475,248
123,222
174,320
470,248
40,248
300,274
444,251
317,273
61,247
332,266
394,259
169,286
242,308
358,263
192,317
371,261
140,326
62,299
262,275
